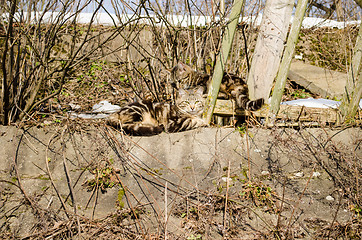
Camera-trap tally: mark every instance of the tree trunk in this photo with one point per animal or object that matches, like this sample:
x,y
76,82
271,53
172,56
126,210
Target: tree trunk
x,y
269,47
287,58
353,89
221,59
339,10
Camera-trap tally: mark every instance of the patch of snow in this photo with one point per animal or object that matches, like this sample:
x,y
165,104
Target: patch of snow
x,y
99,110
316,103
316,174
310,22
88,115
312,102
105,107
299,174
103,18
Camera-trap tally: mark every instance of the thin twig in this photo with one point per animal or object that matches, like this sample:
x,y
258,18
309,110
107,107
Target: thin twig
x,y
18,175
51,178
226,199
69,181
248,152
299,199
335,215
166,216
277,227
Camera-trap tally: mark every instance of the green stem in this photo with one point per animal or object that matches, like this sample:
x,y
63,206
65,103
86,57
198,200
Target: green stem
x,y
221,59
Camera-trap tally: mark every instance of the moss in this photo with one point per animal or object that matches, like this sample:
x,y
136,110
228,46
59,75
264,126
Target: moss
x,y
43,177
120,195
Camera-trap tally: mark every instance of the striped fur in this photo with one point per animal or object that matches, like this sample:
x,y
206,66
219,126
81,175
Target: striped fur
x,y
232,87
147,118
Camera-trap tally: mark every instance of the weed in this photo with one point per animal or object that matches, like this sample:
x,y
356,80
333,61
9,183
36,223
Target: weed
x,y
43,177
95,67
124,79
104,178
259,193
242,129
64,93
195,237
156,171
300,93
356,209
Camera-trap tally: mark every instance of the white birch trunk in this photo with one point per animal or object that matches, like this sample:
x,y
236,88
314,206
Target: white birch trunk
x,y
269,47
287,58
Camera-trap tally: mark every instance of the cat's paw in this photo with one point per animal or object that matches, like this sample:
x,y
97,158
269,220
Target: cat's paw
x,y
200,123
113,120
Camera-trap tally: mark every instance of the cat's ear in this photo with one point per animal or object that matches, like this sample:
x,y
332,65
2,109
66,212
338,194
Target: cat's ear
x,y
199,90
136,98
182,67
182,92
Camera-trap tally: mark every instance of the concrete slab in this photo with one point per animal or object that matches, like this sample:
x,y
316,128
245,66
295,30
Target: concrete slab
x,y
324,82
194,164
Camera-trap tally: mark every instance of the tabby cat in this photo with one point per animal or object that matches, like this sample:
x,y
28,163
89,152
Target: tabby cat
x,y
232,87
148,118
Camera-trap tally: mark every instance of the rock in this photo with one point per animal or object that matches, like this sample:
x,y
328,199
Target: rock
x,y
329,198
324,82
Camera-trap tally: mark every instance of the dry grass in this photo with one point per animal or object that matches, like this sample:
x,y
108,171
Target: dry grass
x,y
121,82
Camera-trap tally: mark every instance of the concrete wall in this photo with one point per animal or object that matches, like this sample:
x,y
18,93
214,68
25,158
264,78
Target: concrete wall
x,y
193,162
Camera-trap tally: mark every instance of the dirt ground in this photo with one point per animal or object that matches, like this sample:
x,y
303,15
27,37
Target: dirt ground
x,y
73,180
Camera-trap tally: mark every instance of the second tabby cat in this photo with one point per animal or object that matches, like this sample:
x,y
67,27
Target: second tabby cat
x,y
149,118
232,87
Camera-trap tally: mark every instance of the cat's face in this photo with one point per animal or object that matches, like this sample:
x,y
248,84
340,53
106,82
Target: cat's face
x,y
180,75
190,101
